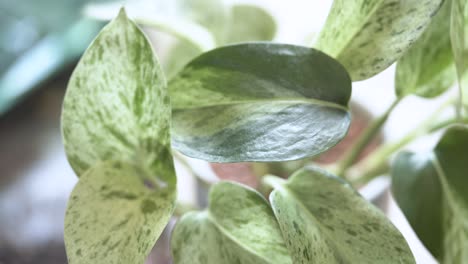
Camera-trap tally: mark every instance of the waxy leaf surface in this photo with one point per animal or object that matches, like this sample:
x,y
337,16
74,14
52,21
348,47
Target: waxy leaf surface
x,y
427,69
259,102
367,36
431,191
115,215
324,220
238,227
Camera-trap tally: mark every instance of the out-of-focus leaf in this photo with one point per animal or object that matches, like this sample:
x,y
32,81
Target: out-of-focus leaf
x,y
44,59
324,220
367,36
238,227
259,102
431,191
115,216
427,69
246,23
250,23
200,22
459,36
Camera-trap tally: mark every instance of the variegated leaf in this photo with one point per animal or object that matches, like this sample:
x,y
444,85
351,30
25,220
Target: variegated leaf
x,y
431,191
428,69
115,122
238,227
259,102
116,213
367,36
323,220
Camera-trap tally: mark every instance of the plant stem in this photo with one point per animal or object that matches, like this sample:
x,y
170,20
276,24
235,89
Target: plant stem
x,y
377,163
356,149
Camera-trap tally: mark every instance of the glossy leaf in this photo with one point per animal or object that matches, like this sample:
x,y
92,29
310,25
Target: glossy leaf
x,y
459,37
249,23
431,191
259,102
367,36
116,106
323,220
238,227
115,216
427,69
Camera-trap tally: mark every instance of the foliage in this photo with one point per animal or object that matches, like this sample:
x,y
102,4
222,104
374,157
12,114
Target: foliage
x,y
260,101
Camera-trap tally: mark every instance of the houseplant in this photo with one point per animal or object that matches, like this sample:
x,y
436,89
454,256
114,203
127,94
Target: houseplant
x,y
265,102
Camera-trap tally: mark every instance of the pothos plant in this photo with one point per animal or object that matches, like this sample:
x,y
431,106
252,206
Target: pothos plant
x,y
123,119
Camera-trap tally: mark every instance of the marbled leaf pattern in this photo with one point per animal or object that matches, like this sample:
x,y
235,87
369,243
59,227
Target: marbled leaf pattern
x,y
238,227
427,69
259,102
116,123
324,220
431,191
367,36
115,216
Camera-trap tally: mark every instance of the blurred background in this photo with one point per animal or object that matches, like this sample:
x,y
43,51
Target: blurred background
x,y
40,43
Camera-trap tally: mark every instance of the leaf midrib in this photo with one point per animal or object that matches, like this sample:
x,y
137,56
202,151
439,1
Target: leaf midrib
x,y
310,101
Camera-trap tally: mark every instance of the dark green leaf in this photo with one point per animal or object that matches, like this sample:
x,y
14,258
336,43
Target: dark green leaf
x,y
427,69
115,216
238,227
367,36
431,191
323,220
259,102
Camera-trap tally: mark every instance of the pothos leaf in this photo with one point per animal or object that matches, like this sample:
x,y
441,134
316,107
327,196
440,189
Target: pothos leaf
x,y
116,106
115,122
367,36
427,69
238,227
459,37
323,220
259,102
431,191
115,214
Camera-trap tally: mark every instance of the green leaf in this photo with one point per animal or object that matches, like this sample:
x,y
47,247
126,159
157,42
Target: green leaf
x,y
431,191
116,106
459,37
249,23
238,227
367,36
323,220
427,69
259,102
115,216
